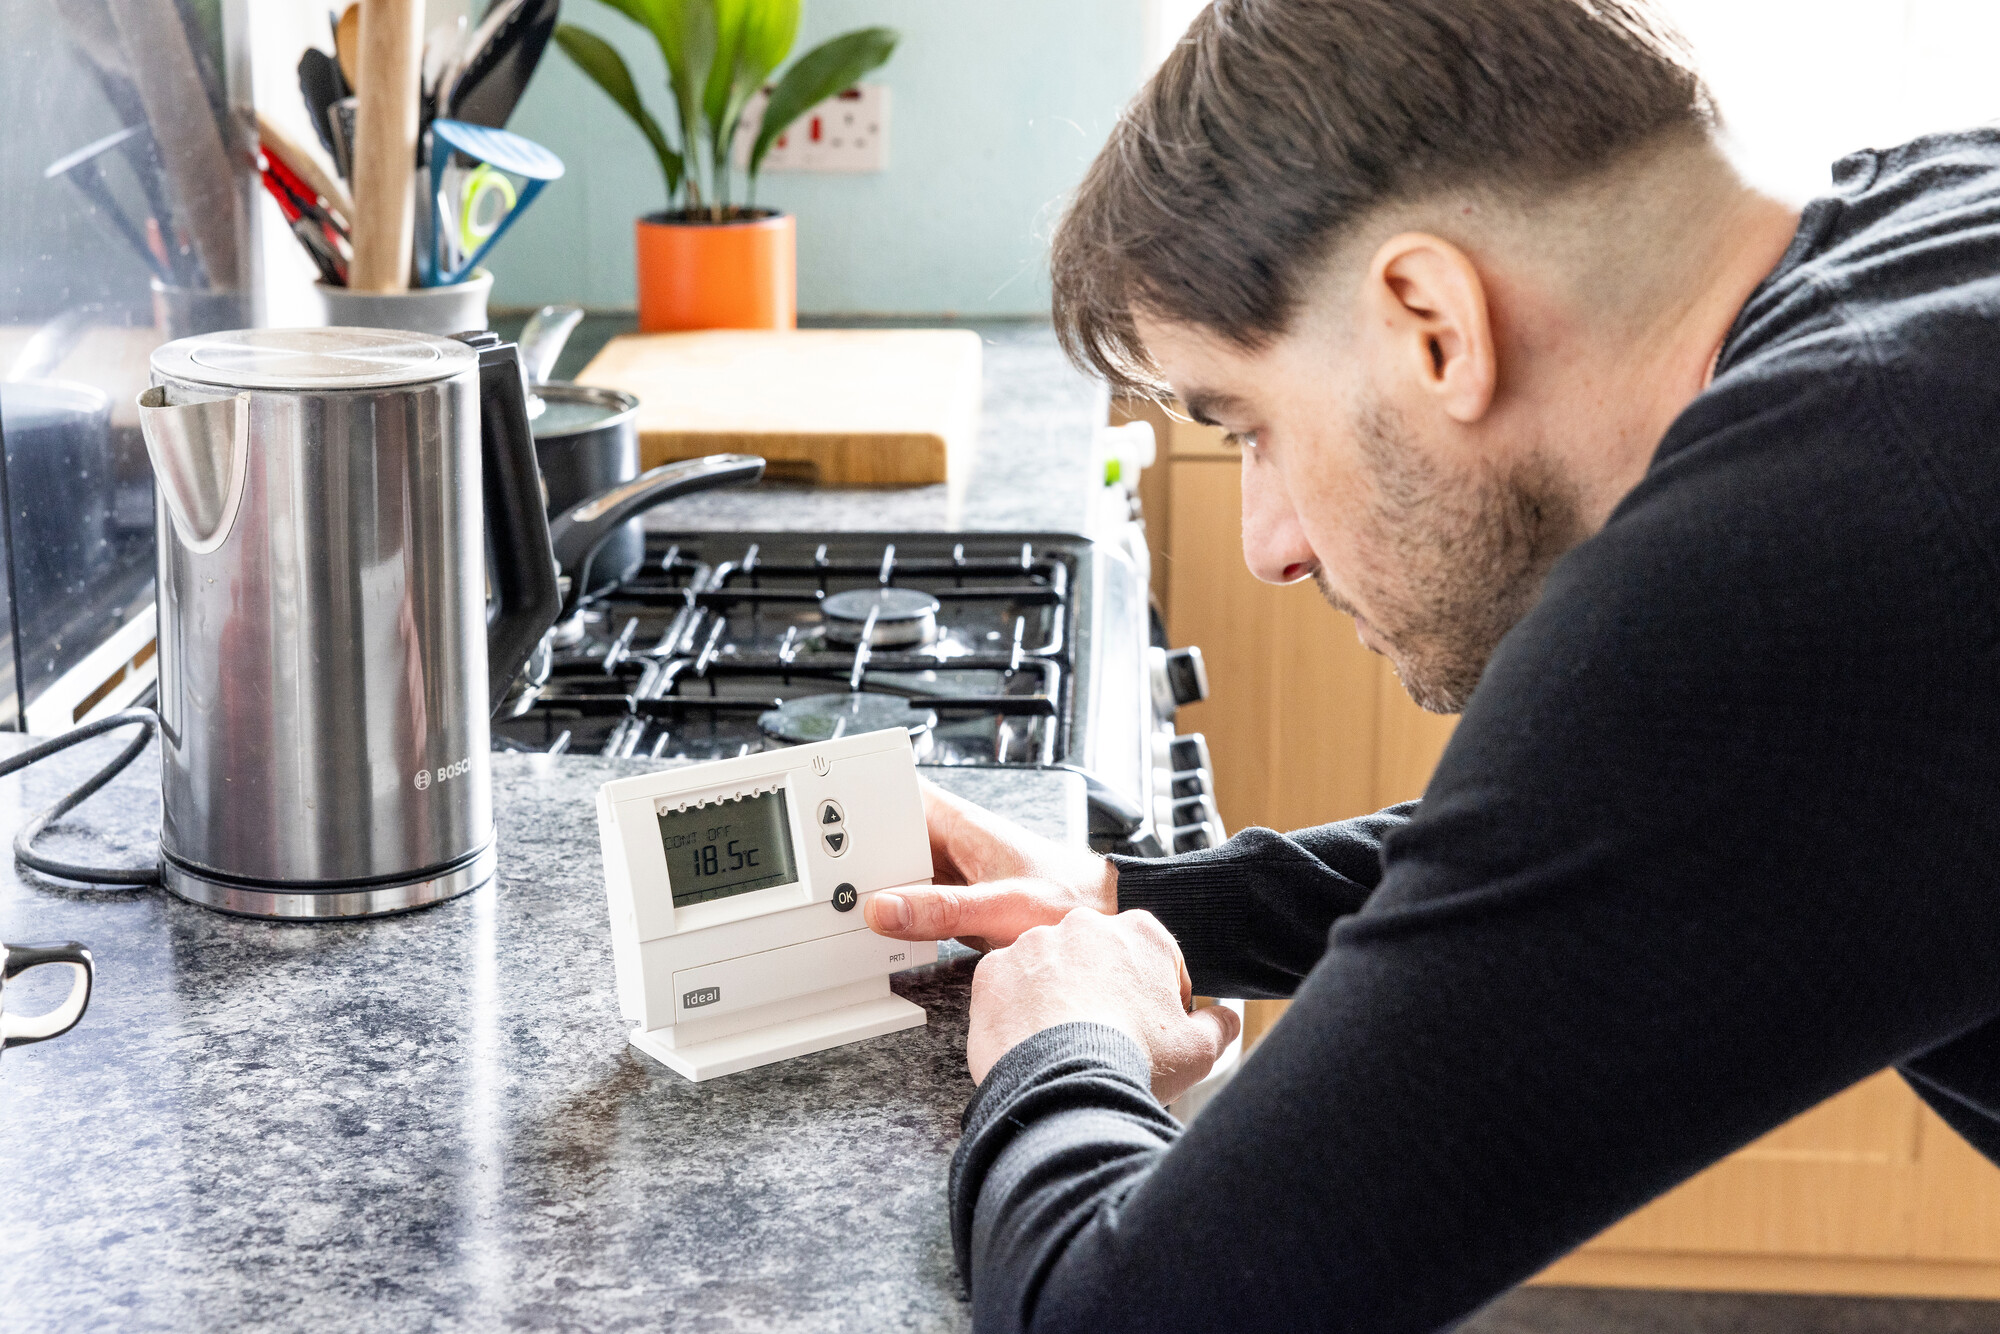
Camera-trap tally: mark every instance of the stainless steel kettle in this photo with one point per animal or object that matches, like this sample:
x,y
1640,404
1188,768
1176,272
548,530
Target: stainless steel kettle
x,y
333,504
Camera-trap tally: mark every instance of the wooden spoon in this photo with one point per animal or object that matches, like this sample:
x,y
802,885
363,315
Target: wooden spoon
x,y
347,44
385,147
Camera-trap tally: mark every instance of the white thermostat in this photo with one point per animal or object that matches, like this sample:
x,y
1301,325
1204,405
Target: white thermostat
x,y
736,889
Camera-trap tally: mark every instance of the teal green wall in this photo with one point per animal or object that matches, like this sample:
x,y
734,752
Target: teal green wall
x,y
996,108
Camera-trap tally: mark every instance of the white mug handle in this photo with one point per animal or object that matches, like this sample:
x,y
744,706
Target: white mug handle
x,y
17,1030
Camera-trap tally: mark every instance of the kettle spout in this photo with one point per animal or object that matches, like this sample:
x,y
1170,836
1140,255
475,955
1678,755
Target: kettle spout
x,y
200,452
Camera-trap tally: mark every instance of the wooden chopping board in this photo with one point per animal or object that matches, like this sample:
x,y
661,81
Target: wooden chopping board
x,y
841,407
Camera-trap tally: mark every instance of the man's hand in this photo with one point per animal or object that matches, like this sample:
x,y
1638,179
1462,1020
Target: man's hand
x,y
1124,971
994,880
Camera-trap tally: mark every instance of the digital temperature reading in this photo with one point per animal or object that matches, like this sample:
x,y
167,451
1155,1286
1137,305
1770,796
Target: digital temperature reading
x,y
728,847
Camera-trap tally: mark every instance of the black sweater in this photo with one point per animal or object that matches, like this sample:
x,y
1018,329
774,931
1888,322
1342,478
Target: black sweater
x,y
1715,839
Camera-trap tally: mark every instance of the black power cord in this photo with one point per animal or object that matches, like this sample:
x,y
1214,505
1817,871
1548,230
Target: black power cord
x,y
24,850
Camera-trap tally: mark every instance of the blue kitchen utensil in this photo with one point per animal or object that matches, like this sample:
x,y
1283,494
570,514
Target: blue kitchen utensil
x,y
495,151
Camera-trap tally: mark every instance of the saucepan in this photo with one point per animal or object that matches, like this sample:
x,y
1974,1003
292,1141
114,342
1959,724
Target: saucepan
x,y
586,438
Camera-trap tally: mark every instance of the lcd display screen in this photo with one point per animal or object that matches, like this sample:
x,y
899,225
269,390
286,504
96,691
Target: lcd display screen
x,y
728,847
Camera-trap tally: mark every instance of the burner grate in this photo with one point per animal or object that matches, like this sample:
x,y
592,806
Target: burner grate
x,y
683,658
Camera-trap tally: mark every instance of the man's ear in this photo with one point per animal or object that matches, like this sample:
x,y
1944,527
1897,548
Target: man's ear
x,y
1428,298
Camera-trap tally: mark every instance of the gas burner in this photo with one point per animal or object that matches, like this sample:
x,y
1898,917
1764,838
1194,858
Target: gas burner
x,y
976,631
824,717
889,617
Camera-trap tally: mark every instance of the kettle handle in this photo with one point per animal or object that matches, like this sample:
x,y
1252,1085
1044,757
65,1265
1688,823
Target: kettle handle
x,y
523,565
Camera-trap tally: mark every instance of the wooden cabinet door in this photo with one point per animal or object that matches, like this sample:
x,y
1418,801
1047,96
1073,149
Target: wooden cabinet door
x,y
1868,1193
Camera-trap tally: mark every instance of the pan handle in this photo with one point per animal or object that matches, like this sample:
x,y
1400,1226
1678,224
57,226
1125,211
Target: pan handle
x,y
578,532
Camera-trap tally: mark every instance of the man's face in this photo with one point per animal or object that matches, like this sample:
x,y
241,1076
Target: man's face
x,y
1435,538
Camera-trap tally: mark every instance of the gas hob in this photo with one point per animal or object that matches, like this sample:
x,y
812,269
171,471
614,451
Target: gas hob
x,y
1013,650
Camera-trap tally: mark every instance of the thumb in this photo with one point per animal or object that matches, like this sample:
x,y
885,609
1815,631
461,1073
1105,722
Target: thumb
x,y
998,911
1218,1024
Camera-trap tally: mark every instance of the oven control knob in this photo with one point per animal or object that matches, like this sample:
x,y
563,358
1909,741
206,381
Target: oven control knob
x,y
1196,810
1193,838
1180,753
1179,677
1186,783
1171,812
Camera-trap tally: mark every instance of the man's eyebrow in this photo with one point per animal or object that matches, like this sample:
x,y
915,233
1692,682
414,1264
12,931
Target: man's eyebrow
x,y
1206,405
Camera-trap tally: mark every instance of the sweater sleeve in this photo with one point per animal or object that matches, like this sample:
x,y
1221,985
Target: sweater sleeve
x,y
1252,915
1058,1119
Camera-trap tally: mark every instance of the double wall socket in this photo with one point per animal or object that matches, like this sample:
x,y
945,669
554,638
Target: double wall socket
x,y
849,132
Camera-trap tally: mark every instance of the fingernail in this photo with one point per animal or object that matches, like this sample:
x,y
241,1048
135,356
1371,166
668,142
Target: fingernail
x,y
894,911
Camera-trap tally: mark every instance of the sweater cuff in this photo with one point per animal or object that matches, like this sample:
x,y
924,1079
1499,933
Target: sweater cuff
x,y
1202,898
1075,1044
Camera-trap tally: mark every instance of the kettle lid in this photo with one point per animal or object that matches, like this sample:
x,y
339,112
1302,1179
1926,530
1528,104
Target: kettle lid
x,y
313,359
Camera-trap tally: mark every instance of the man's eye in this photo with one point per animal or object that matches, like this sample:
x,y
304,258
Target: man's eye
x,y
1240,439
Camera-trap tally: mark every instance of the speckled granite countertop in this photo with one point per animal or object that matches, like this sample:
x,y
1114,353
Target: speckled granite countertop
x,y
433,1122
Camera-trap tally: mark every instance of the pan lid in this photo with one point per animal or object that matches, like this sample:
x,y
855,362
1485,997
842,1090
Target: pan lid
x,y
558,409
313,359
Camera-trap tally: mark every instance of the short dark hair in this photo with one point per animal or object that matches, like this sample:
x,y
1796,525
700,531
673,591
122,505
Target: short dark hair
x,y
1275,126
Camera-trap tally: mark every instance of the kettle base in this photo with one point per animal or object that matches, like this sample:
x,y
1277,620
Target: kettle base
x,y
299,904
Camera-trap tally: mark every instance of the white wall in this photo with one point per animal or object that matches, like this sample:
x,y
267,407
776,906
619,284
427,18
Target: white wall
x,y
997,109
1803,82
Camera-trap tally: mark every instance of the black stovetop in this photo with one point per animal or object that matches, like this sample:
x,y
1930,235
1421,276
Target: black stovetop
x,y
724,644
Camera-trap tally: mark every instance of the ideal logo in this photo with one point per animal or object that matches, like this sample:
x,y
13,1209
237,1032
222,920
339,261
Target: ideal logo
x,y
694,1000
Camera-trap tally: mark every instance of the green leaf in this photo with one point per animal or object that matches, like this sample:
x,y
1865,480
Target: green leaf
x,y
729,17
686,30
831,67
597,58
768,36
753,38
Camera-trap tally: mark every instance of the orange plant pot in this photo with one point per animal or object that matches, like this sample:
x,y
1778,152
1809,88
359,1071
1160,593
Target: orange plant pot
x,y
718,275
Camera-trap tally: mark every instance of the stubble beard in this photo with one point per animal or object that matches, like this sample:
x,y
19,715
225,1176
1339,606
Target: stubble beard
x,y
1462,559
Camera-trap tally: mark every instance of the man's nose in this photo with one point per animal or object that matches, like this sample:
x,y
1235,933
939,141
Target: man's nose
x,y
1274,545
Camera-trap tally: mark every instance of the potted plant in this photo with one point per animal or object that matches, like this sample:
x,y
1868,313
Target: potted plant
x,y
712,260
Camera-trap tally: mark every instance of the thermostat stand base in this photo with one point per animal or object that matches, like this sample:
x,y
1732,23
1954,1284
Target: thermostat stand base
x,y
777,1042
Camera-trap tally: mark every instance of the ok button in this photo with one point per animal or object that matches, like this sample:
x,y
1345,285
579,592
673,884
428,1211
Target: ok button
x,y
844,897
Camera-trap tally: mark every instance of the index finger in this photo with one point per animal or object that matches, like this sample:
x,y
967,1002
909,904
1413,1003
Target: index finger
x,y
997,911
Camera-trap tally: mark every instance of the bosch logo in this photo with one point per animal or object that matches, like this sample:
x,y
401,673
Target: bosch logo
x,y
444,773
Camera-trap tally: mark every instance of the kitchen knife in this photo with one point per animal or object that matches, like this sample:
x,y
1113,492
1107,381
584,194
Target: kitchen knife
x,y
321,84
504,53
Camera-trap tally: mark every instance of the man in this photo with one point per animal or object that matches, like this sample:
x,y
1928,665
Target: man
x,y
1689,501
